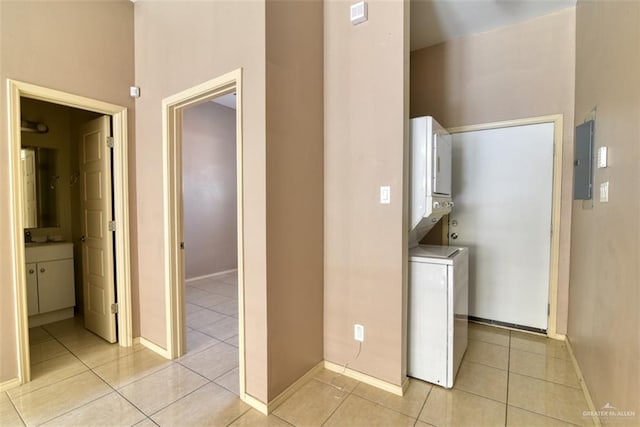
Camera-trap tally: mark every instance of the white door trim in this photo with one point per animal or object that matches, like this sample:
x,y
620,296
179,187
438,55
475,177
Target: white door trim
x,y
16,90
172,108
557,120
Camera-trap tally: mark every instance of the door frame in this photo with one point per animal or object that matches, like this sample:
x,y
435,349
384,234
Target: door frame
x,y
120,187
557,120
174,278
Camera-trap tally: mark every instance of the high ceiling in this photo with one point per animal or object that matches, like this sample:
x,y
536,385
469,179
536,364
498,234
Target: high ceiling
x,y
436,21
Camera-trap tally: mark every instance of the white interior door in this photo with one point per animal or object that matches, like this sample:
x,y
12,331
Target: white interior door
x,y
502,189
97,240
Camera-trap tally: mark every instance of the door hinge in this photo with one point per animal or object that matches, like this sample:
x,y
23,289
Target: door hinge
x,y
114,308
110,141
181,245
548,310
112,226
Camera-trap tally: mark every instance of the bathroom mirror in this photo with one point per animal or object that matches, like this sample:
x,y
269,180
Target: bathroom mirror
x,y
40,182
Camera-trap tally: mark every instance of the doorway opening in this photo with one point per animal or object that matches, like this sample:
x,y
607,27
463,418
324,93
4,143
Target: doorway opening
x,y
68,162
507,182
204,282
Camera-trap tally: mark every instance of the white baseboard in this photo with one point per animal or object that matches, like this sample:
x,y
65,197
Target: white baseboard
x,y
256,404
6,385
583,385
153,347
265,408
367,379
209,276
279,399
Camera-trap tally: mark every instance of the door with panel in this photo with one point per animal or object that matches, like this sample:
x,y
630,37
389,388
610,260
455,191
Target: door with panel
x,y
97,237
502,187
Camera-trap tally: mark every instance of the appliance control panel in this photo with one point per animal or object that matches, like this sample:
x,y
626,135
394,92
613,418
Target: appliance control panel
x,y
441,205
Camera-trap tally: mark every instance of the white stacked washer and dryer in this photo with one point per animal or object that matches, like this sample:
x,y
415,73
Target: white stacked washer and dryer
x,y
438,275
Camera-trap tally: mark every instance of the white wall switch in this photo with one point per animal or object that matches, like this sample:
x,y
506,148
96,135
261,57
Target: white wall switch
x,y
385,194
602,157
134,92
359,12
604,192
358,332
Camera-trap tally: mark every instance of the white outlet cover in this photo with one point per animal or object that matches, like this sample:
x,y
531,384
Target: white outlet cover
x,y
385,194
358,332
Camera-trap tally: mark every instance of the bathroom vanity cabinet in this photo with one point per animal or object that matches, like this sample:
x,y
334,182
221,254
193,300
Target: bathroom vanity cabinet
x,y
50,282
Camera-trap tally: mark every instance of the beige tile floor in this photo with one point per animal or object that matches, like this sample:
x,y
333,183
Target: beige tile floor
x,y
506,379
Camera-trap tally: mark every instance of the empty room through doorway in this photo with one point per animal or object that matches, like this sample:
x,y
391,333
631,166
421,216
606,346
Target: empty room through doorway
x,y
209,203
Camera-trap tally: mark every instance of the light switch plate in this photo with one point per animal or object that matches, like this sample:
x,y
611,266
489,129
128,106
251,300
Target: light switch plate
x,y
385,194
602,157
604,192
358,12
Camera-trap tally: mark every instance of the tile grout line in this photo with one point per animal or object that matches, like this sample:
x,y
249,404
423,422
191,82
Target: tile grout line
x,y
423,405
24,423
391,409
282,419
520,349
477,395
207,382
83,405
206,378
548,381
506,406
175,401
105,382
545,415
130,382
239,416
89,369
344,390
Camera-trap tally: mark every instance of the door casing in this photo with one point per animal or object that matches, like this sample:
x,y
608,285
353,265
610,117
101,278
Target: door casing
x,y
172,108
557,120
16,90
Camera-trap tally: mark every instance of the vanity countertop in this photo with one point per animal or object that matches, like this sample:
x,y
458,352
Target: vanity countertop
x,y
36,252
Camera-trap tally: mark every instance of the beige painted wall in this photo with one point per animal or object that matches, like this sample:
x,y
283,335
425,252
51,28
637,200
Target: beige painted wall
x,y
294,76
209,189
518,71
178,47
60,45
365,242
604,292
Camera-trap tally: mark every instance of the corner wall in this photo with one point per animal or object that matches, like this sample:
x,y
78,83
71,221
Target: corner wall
x,y
518,71
50,44
366,119
295,139
605,238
